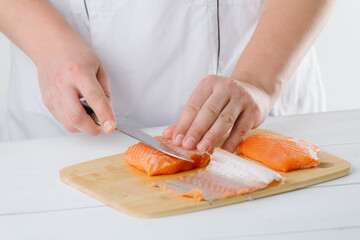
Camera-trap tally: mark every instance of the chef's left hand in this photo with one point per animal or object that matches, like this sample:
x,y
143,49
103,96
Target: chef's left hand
x,y
217,104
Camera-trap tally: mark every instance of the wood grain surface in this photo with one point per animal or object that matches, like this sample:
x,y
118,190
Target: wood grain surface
x,y
123,187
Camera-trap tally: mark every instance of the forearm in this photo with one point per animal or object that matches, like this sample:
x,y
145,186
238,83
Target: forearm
x,y
36,27
285,32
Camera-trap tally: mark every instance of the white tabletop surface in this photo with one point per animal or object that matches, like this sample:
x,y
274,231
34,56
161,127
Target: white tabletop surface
x,y
35,204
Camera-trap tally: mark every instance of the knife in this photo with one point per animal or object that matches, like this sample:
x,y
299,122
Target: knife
x,y
137,134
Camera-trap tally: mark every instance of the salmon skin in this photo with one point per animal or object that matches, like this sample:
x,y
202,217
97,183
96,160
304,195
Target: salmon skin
x,y
154,162
227,175
279,152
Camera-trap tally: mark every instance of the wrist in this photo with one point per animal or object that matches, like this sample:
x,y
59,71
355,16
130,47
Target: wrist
x,y
271,85
57,47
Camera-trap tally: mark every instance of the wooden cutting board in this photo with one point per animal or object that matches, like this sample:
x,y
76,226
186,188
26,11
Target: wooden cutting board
x,y
123,187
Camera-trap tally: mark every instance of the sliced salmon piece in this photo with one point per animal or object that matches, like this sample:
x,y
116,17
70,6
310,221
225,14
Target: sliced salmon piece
x,y
279,152
154,162
227,175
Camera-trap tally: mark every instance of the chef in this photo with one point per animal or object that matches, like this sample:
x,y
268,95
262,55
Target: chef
x,y
204,67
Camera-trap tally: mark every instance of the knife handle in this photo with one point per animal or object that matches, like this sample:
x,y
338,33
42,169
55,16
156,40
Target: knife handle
x,y
89,111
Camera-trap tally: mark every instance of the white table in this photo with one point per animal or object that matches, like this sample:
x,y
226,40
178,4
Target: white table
x,y
34,204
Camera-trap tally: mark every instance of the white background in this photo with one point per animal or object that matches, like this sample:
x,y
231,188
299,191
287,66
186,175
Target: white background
x,y
338,51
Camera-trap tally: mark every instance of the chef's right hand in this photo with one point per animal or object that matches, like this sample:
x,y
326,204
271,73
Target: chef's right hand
x,y
70,72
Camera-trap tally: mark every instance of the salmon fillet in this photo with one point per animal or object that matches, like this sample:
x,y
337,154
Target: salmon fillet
x,y
279,152
154,162
227,175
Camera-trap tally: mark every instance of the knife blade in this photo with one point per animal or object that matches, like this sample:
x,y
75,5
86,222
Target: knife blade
x,y
138,135
150,141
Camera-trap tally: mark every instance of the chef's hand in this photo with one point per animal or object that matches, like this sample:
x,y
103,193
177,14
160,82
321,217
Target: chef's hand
x,y
68,69
71,72
217,104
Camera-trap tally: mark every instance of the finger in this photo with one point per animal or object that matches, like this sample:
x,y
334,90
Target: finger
x,y
104,81
61,117
167,133
191,109
205,118
55,107
223,123
76,114
95,97
241,127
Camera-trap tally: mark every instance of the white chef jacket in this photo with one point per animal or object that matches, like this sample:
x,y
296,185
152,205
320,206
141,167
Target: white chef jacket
x,y
156,52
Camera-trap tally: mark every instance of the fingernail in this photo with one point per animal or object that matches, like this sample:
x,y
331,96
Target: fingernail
x,y
178,140
108,127
203,145
190,142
